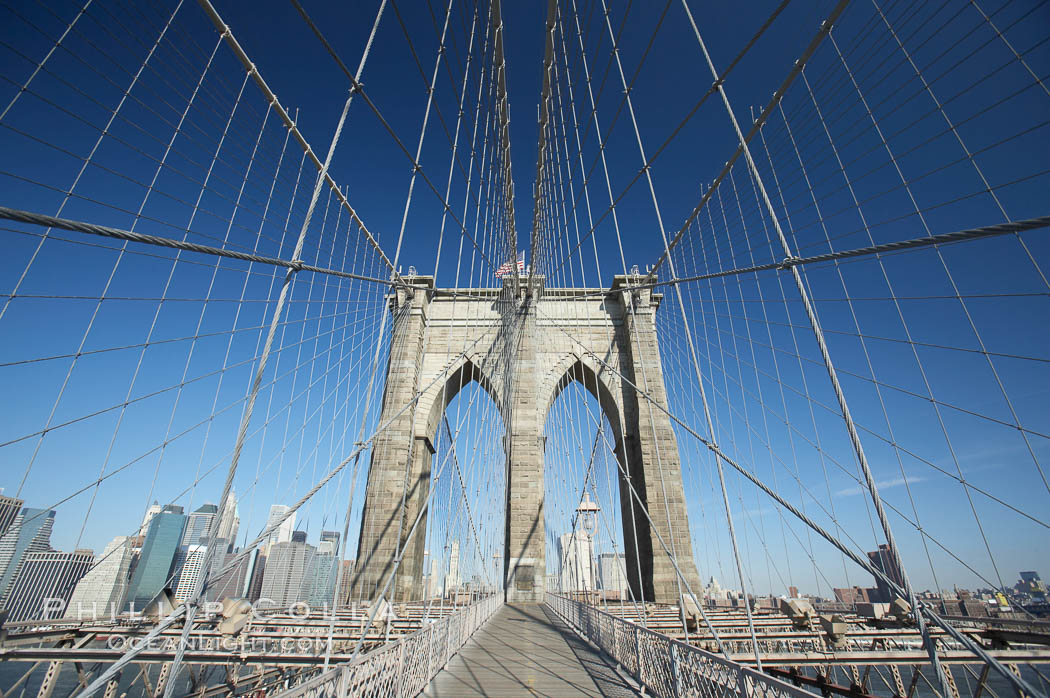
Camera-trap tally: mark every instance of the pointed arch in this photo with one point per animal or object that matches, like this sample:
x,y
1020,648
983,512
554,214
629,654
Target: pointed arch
x,y
583,369
436,400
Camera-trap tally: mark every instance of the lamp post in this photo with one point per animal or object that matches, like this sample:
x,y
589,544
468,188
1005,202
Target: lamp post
x,y
588,519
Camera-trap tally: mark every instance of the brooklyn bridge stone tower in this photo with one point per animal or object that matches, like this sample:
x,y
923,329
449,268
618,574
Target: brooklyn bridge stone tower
x,y
524,344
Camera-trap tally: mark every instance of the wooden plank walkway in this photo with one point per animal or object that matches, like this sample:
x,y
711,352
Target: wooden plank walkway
x,y
526,650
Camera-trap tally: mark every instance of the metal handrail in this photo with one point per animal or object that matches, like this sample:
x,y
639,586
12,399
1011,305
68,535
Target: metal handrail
x,y
664,666
401,668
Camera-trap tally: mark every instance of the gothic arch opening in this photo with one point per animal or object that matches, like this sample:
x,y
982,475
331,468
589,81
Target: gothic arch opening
x,y
584,486
462,553
448,481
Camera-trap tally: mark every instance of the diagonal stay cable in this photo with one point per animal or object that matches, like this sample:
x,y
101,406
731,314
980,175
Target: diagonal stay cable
x,y
170,620
42,220
815,42
1018,681
359,88
674,133
899,246
253,72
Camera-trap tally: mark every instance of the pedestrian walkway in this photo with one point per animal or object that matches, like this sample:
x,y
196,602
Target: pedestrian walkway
x,y
525,650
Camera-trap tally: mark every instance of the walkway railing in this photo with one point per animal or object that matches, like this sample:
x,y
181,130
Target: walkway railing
x,y
404,667
665,666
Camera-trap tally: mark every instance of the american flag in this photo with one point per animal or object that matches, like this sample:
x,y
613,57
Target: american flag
x,y
508,267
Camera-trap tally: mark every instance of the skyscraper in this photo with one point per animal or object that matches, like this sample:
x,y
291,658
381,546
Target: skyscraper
x,y
30,532
883,560
198,524
190,571
324,569
612,573
230,521
153,510
283,533
46,576
452,578
329,542
432,587
289,570
100,593
256,581
154,571
575,556
9,508
236,582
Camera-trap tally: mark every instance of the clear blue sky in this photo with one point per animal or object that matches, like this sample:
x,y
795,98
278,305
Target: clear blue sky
x,y
332,340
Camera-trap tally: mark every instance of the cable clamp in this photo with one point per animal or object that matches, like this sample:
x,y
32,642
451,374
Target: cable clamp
x,y
789,262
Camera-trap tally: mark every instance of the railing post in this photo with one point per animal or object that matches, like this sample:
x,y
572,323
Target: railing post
x,y
674,668
638,655
341,687
430,652
448,641
400,668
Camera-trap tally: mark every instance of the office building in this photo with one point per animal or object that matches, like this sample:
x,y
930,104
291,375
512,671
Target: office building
x,y
155,569
325,570
229,523
612,574
30,532
322,588
1032,585
575,554
256,581
198,524
283,533
884,561
851,596
431,585
289,569
236,582
190,571
9,508
153,510
329,542
100,593
452,579
44,584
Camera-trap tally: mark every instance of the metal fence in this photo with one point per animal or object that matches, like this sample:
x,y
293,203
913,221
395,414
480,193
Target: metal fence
x,y
401,668
665,666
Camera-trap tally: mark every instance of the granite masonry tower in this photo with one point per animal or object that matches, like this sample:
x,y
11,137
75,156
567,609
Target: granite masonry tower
x,y
523,348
